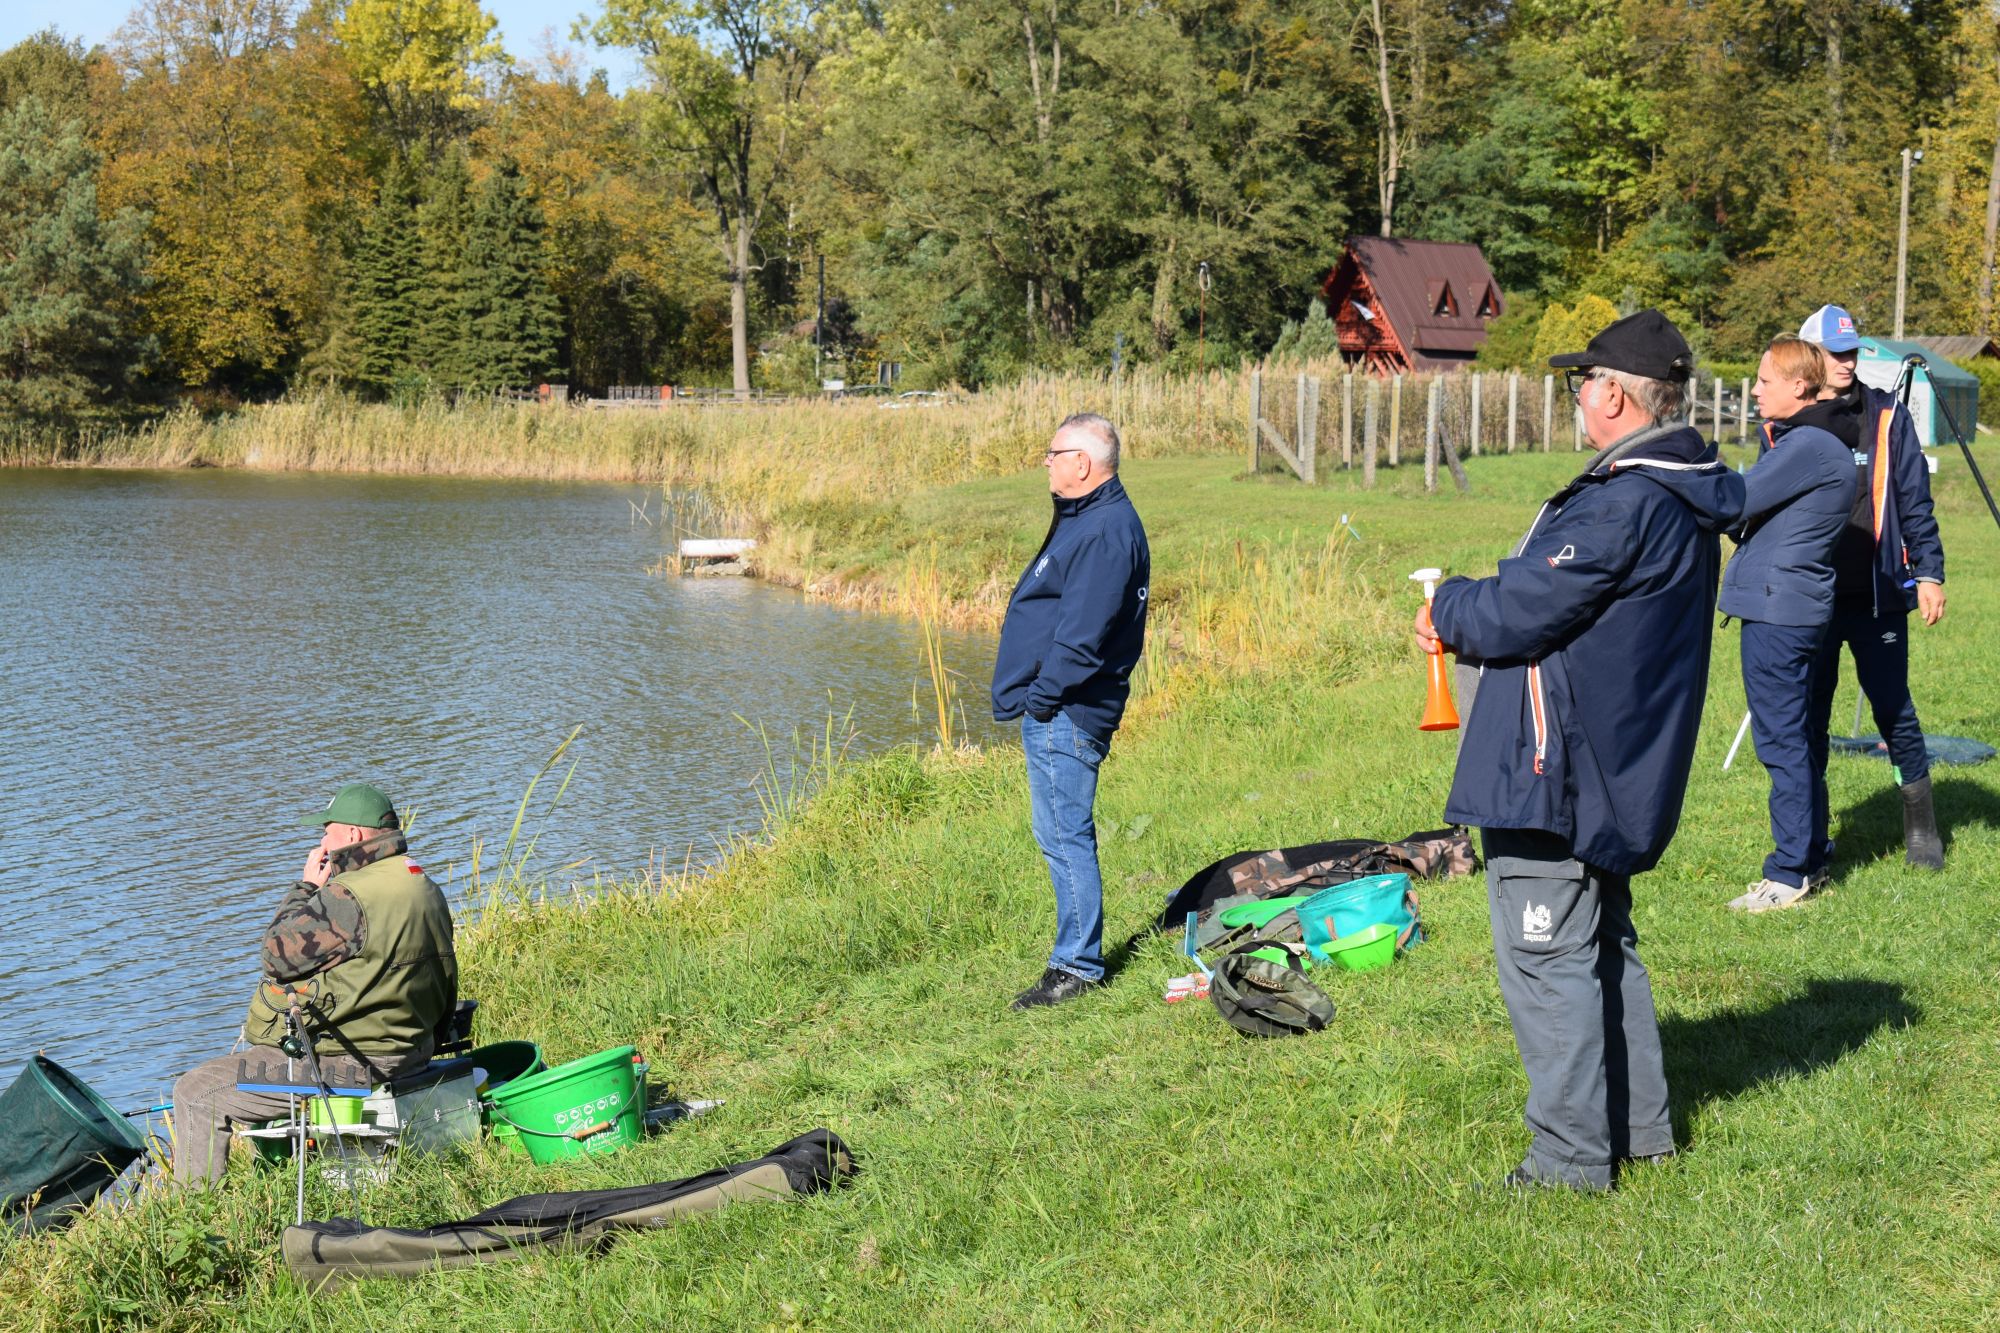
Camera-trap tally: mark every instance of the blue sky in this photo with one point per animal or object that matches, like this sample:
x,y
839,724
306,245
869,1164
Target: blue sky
x,y
522,23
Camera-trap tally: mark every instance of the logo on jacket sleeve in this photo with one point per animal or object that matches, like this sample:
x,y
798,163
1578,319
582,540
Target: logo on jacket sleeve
x,y
1567,553
1535,923
1041,565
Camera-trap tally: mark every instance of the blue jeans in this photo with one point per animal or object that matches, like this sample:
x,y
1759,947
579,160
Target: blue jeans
x,y
1062,788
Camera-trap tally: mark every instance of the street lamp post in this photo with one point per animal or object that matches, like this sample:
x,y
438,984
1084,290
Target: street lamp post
x,y
1903,237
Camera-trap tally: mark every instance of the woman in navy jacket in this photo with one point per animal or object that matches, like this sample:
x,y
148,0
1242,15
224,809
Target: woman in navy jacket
x,y
1780,584
1889,561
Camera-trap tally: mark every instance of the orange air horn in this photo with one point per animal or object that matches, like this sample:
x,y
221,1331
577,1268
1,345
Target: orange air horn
x,y
1440,714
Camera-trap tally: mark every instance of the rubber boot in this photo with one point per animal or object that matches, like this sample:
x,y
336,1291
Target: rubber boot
x,y
1921,843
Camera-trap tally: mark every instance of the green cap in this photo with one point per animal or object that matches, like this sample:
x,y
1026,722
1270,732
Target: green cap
x,y
358,804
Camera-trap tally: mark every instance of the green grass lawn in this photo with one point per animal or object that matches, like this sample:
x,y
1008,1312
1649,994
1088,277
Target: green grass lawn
x,y
1123,1161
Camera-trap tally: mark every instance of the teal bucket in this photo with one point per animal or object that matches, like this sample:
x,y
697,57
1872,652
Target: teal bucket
x,y
580,1109
1353,907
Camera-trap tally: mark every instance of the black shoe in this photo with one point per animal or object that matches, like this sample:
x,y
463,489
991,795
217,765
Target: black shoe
x,y
1055,987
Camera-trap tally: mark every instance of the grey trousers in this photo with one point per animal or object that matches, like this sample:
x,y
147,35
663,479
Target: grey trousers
x,y
1582,1008
208,1104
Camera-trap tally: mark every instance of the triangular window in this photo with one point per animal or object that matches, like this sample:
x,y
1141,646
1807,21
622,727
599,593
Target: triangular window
x,y
1442,300
1489,303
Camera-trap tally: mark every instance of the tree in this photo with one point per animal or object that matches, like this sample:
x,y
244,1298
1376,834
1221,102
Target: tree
x,y
629,254
236,131
510,320
68,277
729,78
51,68
422,62
385,286
438,334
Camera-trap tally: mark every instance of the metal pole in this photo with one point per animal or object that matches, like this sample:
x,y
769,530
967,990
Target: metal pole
x,y
1548,412
1201,282
1903,244
1476,422
1743,415
1718,409
1431,436
819,327
1741,732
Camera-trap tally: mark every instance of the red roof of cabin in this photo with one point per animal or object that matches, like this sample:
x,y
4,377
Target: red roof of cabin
x,y
1434,296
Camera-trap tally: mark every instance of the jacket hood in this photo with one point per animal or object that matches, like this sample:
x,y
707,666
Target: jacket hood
x,y
1839,417
1687,467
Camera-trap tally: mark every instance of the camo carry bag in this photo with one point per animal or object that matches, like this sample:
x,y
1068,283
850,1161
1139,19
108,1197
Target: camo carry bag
x,y
1260,998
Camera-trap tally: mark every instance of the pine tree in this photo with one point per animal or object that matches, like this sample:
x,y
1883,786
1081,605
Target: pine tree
x,y
67,275
510,318
385,286
438,352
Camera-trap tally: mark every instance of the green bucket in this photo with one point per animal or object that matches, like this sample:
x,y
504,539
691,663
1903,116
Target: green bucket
x,y
1364,950
585,1107
504,1061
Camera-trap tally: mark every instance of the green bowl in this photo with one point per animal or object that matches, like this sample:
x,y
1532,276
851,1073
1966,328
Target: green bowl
x,y
1364,950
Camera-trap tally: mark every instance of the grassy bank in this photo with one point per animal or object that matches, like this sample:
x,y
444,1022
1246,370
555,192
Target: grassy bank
x,y
1121,1161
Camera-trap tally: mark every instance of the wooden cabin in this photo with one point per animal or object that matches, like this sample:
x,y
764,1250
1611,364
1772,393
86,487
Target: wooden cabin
x,y
1404,306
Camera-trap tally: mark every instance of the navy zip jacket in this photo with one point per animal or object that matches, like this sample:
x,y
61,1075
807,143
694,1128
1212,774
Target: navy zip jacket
x,y
1077,620
1892,506
1796,500
1592,643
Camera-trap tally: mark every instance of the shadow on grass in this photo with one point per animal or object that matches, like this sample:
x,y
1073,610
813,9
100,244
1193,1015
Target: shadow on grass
x,y
1874,827
1728,1054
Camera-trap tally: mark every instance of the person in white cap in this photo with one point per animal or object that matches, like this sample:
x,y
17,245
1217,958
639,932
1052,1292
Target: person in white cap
x,y
1888,563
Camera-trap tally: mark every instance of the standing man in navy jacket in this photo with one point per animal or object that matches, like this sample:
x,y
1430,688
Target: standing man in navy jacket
x,y
1074,630
1592,643
1889,561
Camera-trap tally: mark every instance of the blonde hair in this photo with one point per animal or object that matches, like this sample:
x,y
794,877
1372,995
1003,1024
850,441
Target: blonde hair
x,y
1796,359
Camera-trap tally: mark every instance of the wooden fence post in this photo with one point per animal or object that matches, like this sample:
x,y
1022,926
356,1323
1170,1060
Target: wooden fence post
x,y
1312,455
1576,428
1743,415
1513,405
1347,420
1396,422
1368,433
1548,412
1431,435
1718,409
1477,380
1256,411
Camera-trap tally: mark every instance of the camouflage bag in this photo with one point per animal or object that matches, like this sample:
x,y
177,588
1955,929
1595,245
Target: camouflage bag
x,y
1260,998
1300,871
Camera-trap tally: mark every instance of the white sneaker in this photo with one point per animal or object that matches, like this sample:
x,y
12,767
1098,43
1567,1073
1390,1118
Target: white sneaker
x,y
1768,895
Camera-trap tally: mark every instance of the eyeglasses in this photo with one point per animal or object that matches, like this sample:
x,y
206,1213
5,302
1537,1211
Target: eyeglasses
x,y
1576,378
1049,456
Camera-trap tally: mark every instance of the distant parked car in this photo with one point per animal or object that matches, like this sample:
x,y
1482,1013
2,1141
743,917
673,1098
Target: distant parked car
x,y
918,398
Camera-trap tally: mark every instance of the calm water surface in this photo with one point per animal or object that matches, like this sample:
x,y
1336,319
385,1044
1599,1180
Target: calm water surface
x,y
189,661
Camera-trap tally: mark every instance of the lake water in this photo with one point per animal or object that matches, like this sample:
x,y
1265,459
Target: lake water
x,y
192,660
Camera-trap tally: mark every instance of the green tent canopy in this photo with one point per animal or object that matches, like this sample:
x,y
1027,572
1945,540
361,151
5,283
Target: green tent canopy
x,y
1882,360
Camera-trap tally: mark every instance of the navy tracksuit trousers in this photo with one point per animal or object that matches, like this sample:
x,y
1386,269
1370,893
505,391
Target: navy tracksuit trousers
x,y
1779,663
1881,646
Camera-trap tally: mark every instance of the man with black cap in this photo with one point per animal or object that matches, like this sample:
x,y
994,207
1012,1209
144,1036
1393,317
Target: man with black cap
x,y
1592,643
358,960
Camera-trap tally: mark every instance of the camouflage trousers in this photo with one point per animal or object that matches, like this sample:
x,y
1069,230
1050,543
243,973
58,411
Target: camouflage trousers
x,y
208,1104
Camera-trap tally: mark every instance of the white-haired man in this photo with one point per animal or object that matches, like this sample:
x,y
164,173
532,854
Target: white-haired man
x,y
1074,630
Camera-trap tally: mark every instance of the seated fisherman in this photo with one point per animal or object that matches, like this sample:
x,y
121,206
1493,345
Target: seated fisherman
x,y
360,953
